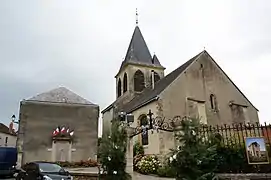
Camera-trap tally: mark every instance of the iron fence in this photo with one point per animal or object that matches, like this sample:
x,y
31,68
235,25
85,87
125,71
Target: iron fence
x,y
234,148
234,135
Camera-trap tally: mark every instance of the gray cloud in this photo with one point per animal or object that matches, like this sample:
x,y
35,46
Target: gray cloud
x,y
80,45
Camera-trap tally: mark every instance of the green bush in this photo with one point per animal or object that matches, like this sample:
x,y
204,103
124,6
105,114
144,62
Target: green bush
x,y
196,157
112,153
166,171
86,163
138,149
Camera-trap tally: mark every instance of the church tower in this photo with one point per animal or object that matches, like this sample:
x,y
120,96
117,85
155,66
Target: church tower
x,y
139,70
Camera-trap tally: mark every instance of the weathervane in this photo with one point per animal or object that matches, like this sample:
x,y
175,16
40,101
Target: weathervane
x,y
136,17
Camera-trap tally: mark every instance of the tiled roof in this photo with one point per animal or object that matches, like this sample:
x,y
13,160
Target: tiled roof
x,y
150,94
5,129
60,95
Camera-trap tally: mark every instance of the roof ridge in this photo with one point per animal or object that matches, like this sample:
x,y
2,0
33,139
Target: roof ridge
x,y
60,95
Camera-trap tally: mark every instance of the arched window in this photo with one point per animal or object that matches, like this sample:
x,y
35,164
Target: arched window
x,y
144,135
125,83
119,88
156,77
139,81
213,102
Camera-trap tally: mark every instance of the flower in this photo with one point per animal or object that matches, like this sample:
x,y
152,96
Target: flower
x,y
171,159
174,156
109,158
193,132
148,164
115,172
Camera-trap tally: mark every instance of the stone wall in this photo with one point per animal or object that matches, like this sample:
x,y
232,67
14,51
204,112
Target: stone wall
x,y
251,176
39,120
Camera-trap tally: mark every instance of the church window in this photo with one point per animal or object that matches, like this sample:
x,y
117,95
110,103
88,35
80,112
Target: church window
x,y
139,81
156,77
144,135
213,102
125,83
119,88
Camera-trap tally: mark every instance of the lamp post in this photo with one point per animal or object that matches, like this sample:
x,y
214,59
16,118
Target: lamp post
x,y
13,118
150,125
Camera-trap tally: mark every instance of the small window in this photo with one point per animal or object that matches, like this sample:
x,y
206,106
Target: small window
x,y
125,83
144,136
6,141
119,88
213,102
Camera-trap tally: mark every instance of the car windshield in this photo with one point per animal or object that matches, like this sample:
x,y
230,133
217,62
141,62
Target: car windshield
x,y
49,167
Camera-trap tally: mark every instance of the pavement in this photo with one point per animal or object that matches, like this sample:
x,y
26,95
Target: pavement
x,y
136,176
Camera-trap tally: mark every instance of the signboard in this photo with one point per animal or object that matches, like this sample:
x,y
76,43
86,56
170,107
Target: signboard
x,y
256,150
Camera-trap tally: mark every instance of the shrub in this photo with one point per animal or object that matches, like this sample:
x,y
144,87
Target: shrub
x,y
196,157
82,163
136,159
112,153
166,171
138,149
148,165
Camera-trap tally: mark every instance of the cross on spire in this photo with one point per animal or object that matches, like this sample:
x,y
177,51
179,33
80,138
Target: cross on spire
x,y
136,17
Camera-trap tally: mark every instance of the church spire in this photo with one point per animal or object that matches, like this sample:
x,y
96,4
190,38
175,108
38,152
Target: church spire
x,y
136,17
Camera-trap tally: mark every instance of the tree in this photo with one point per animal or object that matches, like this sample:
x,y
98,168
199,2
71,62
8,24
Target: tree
x,y
195,158
112,153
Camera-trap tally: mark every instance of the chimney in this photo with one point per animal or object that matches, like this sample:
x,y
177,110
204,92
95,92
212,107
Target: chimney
x,y
11,130
152,79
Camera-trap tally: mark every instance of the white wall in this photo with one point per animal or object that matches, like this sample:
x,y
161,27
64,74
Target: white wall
x,y
7,140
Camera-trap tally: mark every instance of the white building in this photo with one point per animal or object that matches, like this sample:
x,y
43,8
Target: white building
x,y
7,139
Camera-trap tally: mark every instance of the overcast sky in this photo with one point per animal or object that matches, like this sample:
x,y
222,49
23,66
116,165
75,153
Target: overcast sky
x,y
80,44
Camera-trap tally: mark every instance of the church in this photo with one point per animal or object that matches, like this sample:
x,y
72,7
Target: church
x,y
197,88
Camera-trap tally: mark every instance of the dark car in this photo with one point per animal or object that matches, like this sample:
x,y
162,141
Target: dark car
x,y
8,161
43,171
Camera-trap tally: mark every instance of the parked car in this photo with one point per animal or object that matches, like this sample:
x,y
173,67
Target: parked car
x,y
42,171
8,161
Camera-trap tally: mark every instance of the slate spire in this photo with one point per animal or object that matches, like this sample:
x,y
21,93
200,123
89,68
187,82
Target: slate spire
x,y
138,51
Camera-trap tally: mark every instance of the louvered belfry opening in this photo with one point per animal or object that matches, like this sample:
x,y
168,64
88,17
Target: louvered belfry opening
x,y
139,81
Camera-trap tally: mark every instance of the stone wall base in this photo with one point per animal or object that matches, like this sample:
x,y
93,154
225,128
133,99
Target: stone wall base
x,y
251,176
